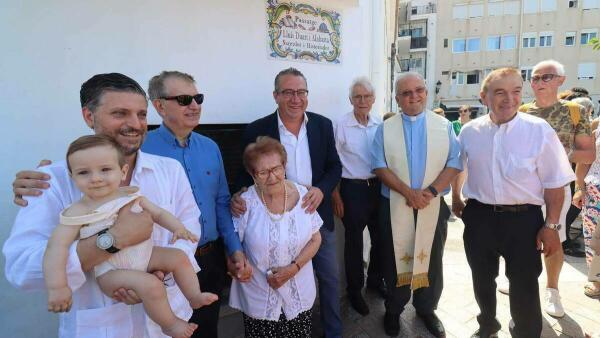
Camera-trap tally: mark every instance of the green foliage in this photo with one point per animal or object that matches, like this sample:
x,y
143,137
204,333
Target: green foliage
x,y
595,43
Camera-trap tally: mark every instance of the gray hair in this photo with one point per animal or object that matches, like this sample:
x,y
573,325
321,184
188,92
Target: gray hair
x,y
364,82
586,103
288,71
406,75
156,85
560,69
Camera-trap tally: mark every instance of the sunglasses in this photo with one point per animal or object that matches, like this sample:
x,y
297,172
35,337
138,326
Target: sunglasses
x,y
418,91
544,77
186,100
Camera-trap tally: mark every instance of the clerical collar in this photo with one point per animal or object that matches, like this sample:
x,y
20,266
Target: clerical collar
x,y
412,118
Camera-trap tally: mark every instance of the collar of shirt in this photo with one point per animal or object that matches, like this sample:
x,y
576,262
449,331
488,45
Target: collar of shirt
x,y
142,162
282,126
412,118
351,121
170,138
508,126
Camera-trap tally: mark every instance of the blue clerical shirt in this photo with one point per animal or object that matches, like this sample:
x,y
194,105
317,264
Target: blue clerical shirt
x,y
202,162
415,139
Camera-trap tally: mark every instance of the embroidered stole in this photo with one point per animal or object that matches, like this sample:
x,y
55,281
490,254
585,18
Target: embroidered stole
x,y
412,245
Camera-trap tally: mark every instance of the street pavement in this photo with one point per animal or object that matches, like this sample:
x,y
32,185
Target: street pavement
x,y
457,308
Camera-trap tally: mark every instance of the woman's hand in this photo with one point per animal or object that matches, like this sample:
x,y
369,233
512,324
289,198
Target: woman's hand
x,y
281,275
578,198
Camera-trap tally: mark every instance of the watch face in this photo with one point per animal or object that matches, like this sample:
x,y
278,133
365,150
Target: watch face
x,y
104,241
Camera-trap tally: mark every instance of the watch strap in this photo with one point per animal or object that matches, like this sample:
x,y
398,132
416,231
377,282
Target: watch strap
x,y
433,190
112,249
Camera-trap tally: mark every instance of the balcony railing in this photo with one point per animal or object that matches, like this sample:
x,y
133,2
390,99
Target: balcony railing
x,y
426,9
418,42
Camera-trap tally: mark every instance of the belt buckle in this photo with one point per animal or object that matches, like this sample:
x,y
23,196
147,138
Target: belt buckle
x,y
498,208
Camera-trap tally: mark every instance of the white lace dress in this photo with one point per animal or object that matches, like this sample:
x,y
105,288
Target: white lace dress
x,y
270,244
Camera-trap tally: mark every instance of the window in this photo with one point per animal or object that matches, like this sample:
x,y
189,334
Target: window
x,y
473,45
572,3
590,4
459,12
417,32
587,35
529,40
548,5
458,78
495,8
586,70
508,42
570,38
475,10
414,10
526,73
530,6
473,77
546,39
493,43
511,7
458,45
487,71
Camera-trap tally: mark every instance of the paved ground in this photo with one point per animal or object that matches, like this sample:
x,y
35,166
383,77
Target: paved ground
x,y
457,308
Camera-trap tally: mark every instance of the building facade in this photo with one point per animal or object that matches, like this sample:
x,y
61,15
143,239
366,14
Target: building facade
x,y
475,37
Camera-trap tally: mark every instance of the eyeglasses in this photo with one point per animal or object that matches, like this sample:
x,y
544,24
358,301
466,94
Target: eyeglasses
x,y
362,97
417,91
277,171
289,93
186,100
544,77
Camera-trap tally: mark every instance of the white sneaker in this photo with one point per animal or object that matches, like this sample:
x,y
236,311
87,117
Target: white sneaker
x,y
503,287
553,305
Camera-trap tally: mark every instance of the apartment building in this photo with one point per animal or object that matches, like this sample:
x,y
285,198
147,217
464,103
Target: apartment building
x,y
415,44
475,37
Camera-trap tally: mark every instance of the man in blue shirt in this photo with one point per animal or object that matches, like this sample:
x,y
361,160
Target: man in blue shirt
x,y
177,101
418,127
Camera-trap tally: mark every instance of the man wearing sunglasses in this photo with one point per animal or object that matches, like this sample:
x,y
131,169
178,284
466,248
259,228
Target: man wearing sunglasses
x,y
573,130
415,155
464,116
176,99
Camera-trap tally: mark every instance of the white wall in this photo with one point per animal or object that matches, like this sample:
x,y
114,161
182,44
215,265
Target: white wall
x,y
50,47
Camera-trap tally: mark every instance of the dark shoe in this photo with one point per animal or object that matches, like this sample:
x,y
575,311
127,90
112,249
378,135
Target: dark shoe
x,y
358,303
391,324
574,252
481,334
434,325
378,287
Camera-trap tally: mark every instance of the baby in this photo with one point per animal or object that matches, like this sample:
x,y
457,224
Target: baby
x,y
98,168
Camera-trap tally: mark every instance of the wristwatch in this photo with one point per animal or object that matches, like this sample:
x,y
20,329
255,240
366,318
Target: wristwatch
x,y
433,190
106,242
553,226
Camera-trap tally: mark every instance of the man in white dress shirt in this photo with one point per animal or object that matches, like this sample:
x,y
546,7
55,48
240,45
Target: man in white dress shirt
x,y
516,163
356,200
116,106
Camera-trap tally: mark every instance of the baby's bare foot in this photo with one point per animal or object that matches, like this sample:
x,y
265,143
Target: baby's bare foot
x,y
203,299
181,329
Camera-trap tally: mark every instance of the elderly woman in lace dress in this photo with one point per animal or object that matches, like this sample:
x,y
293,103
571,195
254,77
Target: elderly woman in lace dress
x,y
279,239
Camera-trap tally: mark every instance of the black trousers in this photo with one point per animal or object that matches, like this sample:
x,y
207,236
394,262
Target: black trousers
x,y
512,235
361,202
212,277
425,300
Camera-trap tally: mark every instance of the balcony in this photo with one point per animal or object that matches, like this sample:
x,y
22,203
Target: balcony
x,y
418,42
426,9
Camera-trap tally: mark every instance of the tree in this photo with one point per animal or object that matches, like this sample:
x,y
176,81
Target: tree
x,y
595,43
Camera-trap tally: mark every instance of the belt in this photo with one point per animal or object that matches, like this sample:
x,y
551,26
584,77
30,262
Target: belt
x,y
369,181
205,249
514,208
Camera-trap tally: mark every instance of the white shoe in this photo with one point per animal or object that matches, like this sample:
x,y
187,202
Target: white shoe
x,y
553,305
503,287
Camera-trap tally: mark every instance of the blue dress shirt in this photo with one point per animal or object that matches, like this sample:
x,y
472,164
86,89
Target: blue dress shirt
x,y
415,138
202,162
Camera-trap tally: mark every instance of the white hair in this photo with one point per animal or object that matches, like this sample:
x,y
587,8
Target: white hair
x,y
406,75
586,103
560,69
364,82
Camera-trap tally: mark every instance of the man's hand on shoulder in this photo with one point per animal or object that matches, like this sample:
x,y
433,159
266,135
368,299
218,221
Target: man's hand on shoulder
x,y
30,183
312,199
238,205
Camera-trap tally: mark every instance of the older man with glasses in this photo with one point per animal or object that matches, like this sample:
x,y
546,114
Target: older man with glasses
x,y
415,155
572,126
177,101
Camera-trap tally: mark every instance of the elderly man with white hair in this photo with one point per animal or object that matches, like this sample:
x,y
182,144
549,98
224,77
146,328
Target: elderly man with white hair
x,y
415,154
356,200
572,126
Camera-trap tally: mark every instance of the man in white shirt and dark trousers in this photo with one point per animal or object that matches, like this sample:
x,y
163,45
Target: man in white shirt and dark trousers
x,y
356,201
515,164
